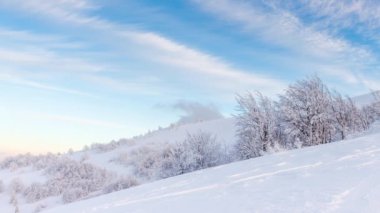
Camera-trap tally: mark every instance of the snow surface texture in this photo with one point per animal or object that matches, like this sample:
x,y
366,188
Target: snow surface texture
x,y
336,177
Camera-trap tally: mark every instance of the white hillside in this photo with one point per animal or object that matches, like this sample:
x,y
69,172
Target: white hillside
x,y
222,129
32,184
337,177
366,99
106,157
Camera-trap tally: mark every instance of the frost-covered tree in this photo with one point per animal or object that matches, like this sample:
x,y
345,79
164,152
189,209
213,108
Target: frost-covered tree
x,y
72,195
203,148
257,124
145,161
346,116
38,191
16,186
197,151
120,184
376,104
175,161
306,112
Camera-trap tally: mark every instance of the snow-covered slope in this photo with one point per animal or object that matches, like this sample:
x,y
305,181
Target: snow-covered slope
x,y
366,99
337,177
107,158
115,159
222,129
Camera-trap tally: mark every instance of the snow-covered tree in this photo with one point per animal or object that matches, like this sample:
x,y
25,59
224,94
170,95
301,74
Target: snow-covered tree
x,y
204,148
306,112
376,104
16,186
74,194
175,161
120,184
346,116
257,125
37,191
145,161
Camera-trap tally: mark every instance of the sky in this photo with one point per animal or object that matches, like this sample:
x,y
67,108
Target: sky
x,y
75,72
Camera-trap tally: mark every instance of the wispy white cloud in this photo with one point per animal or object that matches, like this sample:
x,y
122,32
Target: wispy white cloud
x,y
328,54
159,49
192,60
48,60
346,13
11,77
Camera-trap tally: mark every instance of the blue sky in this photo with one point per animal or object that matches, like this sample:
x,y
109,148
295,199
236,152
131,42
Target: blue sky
x,y
75,72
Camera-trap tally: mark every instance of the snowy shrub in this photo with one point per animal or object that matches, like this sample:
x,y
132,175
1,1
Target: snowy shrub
x,y
69,177
146,161
175,161
100,147
72,174
368,116
120,184
306,111
258,128
19,161
16,186
203,149
37,191
198,151
346,115
72,195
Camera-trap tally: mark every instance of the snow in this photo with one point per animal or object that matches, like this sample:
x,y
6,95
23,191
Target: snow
x,y
366,99
223,129
336,177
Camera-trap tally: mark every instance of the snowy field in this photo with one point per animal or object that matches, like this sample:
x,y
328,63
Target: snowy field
x,y
337,177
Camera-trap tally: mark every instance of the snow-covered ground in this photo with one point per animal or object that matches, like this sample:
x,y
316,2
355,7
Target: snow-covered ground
x,y
222,129
338,177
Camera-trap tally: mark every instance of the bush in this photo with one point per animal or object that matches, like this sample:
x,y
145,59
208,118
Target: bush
x,y
198,151
72,195
16,186
36,192
120,184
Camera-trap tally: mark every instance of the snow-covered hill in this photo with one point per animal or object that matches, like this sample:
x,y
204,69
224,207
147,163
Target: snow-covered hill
x,y
337,177
367,99
222,129
264,184
110,158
